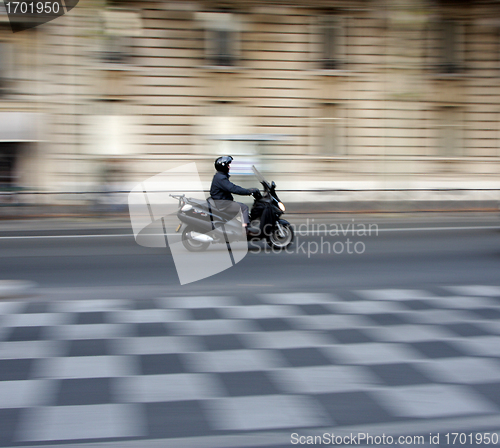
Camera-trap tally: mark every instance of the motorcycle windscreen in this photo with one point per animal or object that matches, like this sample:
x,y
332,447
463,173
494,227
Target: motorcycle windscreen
x,y
259,176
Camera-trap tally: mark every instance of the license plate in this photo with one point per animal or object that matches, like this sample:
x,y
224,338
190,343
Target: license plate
x,y
178,227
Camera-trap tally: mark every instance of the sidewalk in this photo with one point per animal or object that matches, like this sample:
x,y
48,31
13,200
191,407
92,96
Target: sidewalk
x,y
10,212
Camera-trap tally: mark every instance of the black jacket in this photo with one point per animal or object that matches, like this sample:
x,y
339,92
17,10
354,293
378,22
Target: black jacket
x,y
222,188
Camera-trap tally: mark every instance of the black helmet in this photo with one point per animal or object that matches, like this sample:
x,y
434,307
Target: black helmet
x,y
222,163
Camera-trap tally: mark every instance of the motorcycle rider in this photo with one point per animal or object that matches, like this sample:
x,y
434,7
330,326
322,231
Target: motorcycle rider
x,y
222,190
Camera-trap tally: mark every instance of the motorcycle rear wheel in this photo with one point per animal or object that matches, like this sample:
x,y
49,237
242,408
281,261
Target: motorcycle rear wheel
x,y
190,244
278,241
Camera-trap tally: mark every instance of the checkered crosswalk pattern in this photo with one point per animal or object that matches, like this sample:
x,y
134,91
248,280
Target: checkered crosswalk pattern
x,y
189,367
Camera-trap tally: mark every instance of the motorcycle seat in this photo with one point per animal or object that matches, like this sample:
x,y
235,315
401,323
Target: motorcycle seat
x,y
226,209
200,203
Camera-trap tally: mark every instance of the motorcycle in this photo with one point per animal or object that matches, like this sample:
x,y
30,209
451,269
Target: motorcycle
x,y
205,223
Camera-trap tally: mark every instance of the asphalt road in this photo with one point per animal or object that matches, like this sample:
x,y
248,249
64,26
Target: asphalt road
x,y
329,253
366,325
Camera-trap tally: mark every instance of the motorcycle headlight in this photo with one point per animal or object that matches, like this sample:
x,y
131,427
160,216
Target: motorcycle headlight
x,y
281,206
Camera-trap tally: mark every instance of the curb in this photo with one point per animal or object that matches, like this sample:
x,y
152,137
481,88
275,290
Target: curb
x,y
16,288
357,205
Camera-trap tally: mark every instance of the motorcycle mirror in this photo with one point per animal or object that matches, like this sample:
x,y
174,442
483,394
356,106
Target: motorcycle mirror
x,y
273,185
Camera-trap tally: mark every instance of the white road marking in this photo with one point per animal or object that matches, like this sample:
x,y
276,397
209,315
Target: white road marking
x,y
335,232
350,230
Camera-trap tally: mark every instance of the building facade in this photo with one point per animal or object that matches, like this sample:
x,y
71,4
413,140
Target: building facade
x,y
369,94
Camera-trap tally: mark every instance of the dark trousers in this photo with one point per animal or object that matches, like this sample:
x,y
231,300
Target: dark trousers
x,y
232,208
244,212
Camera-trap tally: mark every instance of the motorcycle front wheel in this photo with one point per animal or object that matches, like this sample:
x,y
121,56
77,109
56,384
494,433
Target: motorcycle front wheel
x,y
191,244
281,238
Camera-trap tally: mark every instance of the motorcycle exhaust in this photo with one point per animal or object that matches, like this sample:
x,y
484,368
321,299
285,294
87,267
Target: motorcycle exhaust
x,y
201,237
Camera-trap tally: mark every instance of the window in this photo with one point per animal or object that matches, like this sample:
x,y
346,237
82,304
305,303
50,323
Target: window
x,y
449,47
5,66
329,42
222,53
450,35
120,26
115,49
2,67
7,164
221,38
3,12
497,49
